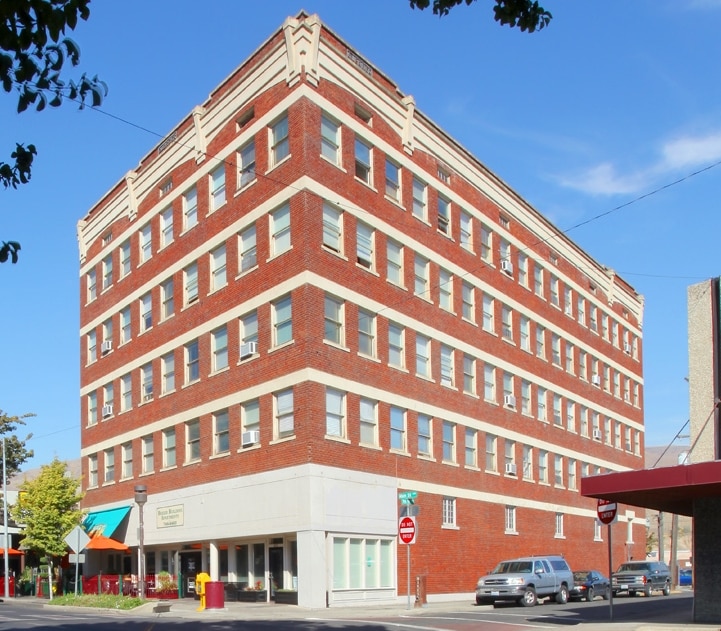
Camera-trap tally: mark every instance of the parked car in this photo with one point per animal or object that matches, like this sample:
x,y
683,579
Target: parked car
x,y
685,577
525,581
641,576
587,584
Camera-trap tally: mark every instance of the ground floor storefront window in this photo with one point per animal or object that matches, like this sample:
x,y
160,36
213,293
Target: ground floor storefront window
x,y
362,563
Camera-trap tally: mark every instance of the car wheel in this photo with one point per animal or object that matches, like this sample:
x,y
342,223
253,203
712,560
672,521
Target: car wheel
x,y
607,593
589,594
562,596
666,589
479,601
529,597
647,591
631,593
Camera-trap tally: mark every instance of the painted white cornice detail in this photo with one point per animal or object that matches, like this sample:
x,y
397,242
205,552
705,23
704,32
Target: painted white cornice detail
x,y
201,143
80,226
133,201
302,41
410,104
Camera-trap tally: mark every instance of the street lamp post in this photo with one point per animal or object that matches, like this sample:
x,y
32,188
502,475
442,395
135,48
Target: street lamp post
x,y
141,496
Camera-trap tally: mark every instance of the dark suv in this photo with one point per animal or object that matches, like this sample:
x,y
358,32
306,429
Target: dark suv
x,y
641,576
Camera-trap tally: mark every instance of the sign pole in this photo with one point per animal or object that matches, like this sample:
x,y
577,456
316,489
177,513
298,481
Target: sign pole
x,y
610,572
77,563
408,585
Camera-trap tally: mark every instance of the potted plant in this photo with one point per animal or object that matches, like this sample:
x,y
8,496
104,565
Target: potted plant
x,y
255,593
165,585
286,597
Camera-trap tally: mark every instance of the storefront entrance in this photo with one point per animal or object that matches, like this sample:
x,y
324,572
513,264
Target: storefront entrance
x,y
275,569
190,566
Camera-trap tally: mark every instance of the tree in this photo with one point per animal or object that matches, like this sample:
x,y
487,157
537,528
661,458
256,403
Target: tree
x,y
524,14
16,452
33,53
49,508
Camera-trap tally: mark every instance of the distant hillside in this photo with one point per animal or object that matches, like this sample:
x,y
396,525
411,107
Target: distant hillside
x,y
14,484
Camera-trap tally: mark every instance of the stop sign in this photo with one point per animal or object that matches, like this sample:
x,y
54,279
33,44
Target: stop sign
x,y
606,511
407,529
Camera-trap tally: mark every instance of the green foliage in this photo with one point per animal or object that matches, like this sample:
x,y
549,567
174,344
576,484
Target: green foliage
x,y
48,507
99,601
16,452
526,15
33,53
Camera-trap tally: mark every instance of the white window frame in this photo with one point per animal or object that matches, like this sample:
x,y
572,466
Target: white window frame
x,y
330,139
363,159
335,413
190,208
248,249
166,227
219,342
218,268
246,164
365,246
332,229
145,243
280,233
279,138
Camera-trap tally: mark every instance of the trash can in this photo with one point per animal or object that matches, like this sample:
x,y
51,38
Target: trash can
x,y
214,595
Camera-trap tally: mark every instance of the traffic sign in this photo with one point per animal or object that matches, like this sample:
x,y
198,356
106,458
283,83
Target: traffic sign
x,y
407,529
77,539
408,497
606,511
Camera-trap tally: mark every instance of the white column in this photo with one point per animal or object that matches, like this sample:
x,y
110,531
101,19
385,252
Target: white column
x,y
214,562
312,569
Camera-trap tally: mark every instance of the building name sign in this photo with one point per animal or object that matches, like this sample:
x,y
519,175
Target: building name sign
x,y
169,516
363,65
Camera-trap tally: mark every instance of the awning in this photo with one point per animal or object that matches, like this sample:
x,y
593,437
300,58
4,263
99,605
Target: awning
x,y
105,522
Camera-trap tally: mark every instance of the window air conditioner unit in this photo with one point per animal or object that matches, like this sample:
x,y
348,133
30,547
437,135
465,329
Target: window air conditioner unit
x,y
507,267
107,346
596,434
509,401
107,410
510,468
627,349
596,380
250,438
248,349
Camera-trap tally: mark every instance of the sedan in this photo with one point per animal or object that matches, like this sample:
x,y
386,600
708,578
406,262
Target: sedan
x,y
587,584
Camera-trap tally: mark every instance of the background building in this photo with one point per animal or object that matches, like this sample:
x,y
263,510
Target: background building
x,y
307,299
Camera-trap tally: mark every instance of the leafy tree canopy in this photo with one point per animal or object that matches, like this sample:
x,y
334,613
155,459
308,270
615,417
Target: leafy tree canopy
x,y
526,15
16,452
33,53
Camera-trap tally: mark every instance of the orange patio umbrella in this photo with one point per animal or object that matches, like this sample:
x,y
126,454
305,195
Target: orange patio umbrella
x,y
101,542
11,552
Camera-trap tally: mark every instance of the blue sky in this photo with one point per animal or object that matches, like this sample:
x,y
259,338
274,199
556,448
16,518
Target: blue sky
x,y
613,101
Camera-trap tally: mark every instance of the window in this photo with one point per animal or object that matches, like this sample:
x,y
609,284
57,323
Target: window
x,y
568,301
366,333
166,227
559,525
330,139
169,453
488,315
280,230
508,392
489,383
107,271
192,362
504,249
526,397
507,323
525,333
471,458
523,270
571,474
365,243
219,339
246,164
570,416
556,349
421,268
468,298
368,422
332,229
221,433
92,285
334,317
250,416
92,471
127,454
284,421
527,462
126,393
581,311
447,366
614,334
167,363
553,288
218,277
486,245
363,563
584,420
398,428
538,280
247,249
445,289
597,530
279,142
166,297
543,466
569,358
420,195
491,459
249,328
423,356
192,440
125,331
541,409
146,312
191,283
393,181
124,258
509,456
593,318
92,408
335,424
190,209
396,345
92,346
363,161
425,435
558,470
148,454
146,243
604,326
282,321
109,472
449,511
582,365
469,374
466,224
449,441
540,342
444,215
395,262
146,379
511,520
557,418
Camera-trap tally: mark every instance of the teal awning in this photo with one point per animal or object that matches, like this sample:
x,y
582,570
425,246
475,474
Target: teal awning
x,y
105,522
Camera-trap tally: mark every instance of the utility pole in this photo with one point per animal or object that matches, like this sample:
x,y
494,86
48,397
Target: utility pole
x,y
661,555
673,566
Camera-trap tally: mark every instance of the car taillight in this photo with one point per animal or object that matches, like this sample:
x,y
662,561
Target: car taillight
x,y
645,580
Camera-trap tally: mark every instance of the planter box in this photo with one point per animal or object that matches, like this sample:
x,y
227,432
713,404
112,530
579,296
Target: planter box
x,y
170,594
286,597
252,595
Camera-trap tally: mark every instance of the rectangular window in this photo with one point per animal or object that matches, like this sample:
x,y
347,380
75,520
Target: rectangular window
x,y
491,456
511,520
127,453
527,462
279,141
190,209
125,265
363,563
107,271
543,466
526,397
280,230
449,441
398,428
509,398
167,300
540,342
92,408
445,289
423,356
148,454
568,301
449,511
92,347
146,380
425,435
559,525
192,440
92,285
109,472
108,399
447,366
218,276
126,393
250,416
421,269
330,139
191,283
556,349
393,181
334,318
395,262
146,312
125,331
541,411
488,314
192,362
363,161
219,340
246,164
486,245
444,215
509,457
581,311
466,237
489,383
247,249
167,363
471,453
507,323
248,329
420,195
469,374
538,280
221,433
166,227
332,229
169,450
396,345
365,243
92,471
146,243
368,422
558,470
557,417
366,333
335,424
553,289
284,419
571,474
468,298
570,416
523,270
593,319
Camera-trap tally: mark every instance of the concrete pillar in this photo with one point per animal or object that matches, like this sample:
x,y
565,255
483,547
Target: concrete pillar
x,y
312,569
214,562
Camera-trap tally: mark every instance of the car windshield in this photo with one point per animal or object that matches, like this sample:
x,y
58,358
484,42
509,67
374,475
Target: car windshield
x,y
634,567
581,577
513,567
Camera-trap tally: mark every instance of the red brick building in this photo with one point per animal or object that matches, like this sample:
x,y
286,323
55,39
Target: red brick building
x,y
309,298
